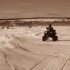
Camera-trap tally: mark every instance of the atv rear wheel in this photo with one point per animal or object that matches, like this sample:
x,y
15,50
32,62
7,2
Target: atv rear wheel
x,y
55,38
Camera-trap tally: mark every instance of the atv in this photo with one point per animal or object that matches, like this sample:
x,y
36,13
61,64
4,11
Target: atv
x,y
50,34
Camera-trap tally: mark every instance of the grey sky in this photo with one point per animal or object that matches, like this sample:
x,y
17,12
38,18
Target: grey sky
x,y
34,8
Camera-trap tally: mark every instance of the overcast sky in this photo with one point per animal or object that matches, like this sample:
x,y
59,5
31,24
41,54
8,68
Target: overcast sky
x,y
34,8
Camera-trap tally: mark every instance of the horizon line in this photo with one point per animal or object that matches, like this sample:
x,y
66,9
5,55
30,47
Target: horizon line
x,y
34,18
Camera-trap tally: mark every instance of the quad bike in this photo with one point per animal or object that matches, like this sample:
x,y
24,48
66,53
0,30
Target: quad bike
x,y
50,34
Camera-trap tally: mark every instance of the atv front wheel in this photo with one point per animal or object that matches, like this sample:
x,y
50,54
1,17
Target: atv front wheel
x,y
44,38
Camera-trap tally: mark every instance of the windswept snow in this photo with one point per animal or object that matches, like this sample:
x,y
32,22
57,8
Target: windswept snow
x,y
22,48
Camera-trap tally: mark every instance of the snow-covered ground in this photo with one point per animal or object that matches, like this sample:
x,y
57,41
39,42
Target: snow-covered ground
x,y
22,48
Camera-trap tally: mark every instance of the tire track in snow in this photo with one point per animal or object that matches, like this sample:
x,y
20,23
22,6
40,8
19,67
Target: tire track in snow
x,y
38,63
65,64
19,44
50,63
6,61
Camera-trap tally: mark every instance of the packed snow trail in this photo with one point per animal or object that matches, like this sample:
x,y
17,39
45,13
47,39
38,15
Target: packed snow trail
x,y
23,49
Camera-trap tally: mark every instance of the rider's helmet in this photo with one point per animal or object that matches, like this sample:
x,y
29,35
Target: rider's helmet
x,y
46,27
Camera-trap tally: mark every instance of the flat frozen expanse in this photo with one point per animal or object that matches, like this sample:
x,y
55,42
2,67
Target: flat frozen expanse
x,y
22,48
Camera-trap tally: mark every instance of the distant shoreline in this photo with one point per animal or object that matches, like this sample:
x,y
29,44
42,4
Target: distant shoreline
x,y
36,18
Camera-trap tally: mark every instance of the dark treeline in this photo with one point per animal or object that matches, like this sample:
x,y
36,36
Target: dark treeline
x,y
34,23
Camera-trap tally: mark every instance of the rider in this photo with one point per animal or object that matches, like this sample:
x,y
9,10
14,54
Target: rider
x,y
50,28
